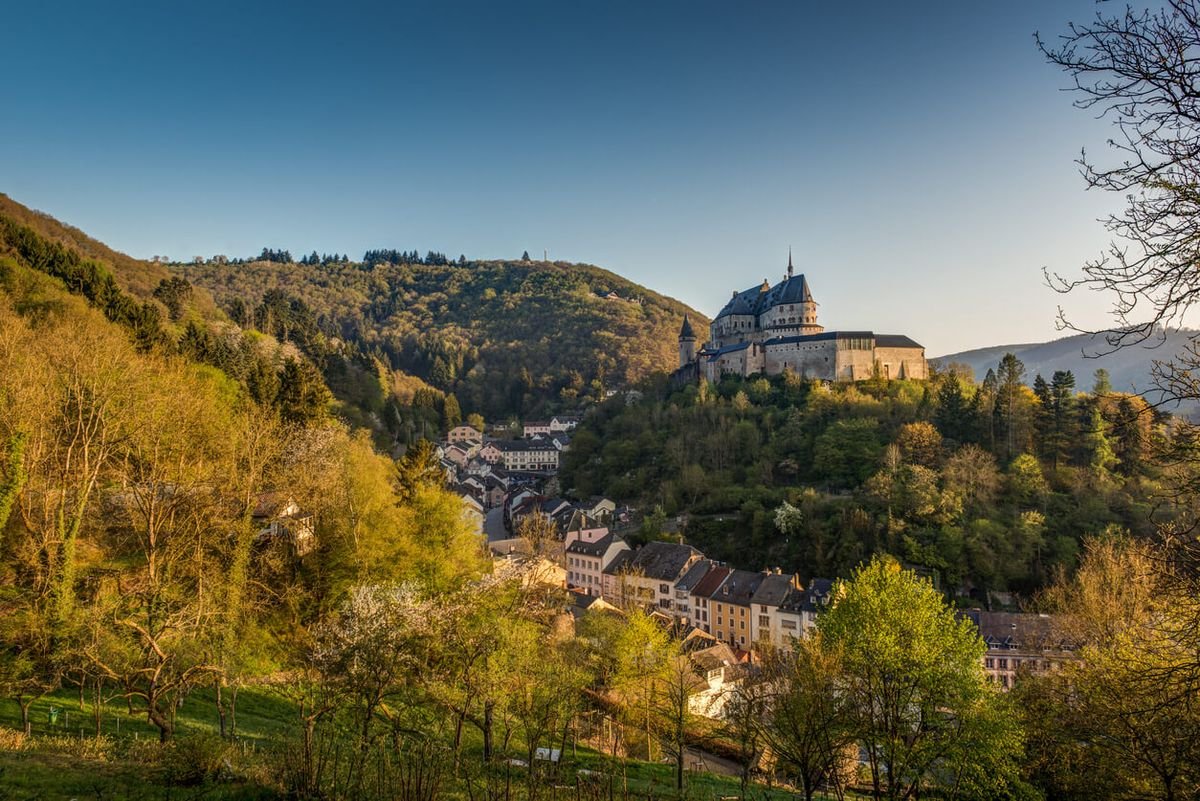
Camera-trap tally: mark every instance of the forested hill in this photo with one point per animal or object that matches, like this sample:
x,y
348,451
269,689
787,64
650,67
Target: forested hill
x,y
989,486
504,337
1129,368
137,277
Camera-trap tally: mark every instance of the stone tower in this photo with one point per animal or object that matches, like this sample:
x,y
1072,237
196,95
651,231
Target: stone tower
x,y
808,306
687,343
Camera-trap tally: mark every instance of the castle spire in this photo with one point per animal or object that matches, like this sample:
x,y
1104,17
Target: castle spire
x,y
790,268
686,332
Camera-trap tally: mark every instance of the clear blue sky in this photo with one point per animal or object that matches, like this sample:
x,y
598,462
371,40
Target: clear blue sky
x,y
917,156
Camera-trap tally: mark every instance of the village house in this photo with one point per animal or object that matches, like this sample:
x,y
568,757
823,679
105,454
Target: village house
x,y
562,423
650,575
729,608
491,453
535,427
700,601
525,455
777,610
588,553
473,512
1018,643
464,434
717,673
682,606
280,520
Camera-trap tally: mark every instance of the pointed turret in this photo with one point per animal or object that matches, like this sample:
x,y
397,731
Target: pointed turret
x,y
685,331
687,343
790,268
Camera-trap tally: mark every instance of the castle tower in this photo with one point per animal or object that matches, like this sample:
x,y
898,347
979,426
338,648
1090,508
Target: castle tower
x,y
808,306
687,343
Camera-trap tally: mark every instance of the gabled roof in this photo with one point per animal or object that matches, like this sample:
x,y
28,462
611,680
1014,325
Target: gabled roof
x,y
596,548
619,563
694,575
271,504
663,561
739,587
757,300
711,582
773,590
1016,630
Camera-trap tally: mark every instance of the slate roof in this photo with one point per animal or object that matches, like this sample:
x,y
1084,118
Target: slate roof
x,y
513,445
757,300
1015,630
619,563
596,548
713,354
686,331
694,574
739,588
773,590
894,341
815,596
663,561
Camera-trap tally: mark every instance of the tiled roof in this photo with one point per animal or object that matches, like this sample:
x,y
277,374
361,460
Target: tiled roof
x,y
709,584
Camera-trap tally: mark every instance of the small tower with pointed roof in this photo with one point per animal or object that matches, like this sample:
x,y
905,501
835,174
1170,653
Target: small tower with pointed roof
x,y
687,343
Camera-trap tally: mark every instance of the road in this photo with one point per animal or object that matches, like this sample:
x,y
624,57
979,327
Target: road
x,y
493,524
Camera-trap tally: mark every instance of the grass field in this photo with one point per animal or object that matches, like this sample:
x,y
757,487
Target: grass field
x,y
64,761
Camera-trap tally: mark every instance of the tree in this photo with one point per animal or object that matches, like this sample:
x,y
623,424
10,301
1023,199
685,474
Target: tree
x,y
920,444
174,292
451,412
418,467
1013,409
807,720
1120,717
912,679
303,396
1135,68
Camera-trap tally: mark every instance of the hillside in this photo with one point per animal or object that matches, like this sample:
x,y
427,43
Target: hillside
x,y
505,337
1129,369
137,277
989,489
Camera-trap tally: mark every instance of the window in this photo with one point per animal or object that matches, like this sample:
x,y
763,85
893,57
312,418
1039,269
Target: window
x,y
664,588
764,621
1004,666
788,625
989,663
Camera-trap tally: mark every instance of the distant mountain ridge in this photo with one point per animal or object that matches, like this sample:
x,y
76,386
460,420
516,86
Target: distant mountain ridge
x,y
1129,368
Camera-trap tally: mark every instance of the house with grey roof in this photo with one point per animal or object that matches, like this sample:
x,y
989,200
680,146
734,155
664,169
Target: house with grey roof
x,y
588,553
649,577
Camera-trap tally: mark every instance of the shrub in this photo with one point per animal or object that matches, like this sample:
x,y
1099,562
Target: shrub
x,y
194,759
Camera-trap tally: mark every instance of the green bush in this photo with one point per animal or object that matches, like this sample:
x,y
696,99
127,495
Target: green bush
x,y
194,759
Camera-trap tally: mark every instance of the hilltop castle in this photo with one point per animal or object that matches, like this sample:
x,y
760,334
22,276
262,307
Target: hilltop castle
x,y
769,329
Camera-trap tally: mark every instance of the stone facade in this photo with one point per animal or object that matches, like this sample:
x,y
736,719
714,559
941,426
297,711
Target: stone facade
x,y
770,330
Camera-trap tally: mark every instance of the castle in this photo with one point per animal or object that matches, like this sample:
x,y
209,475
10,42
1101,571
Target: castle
x,y
770,329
